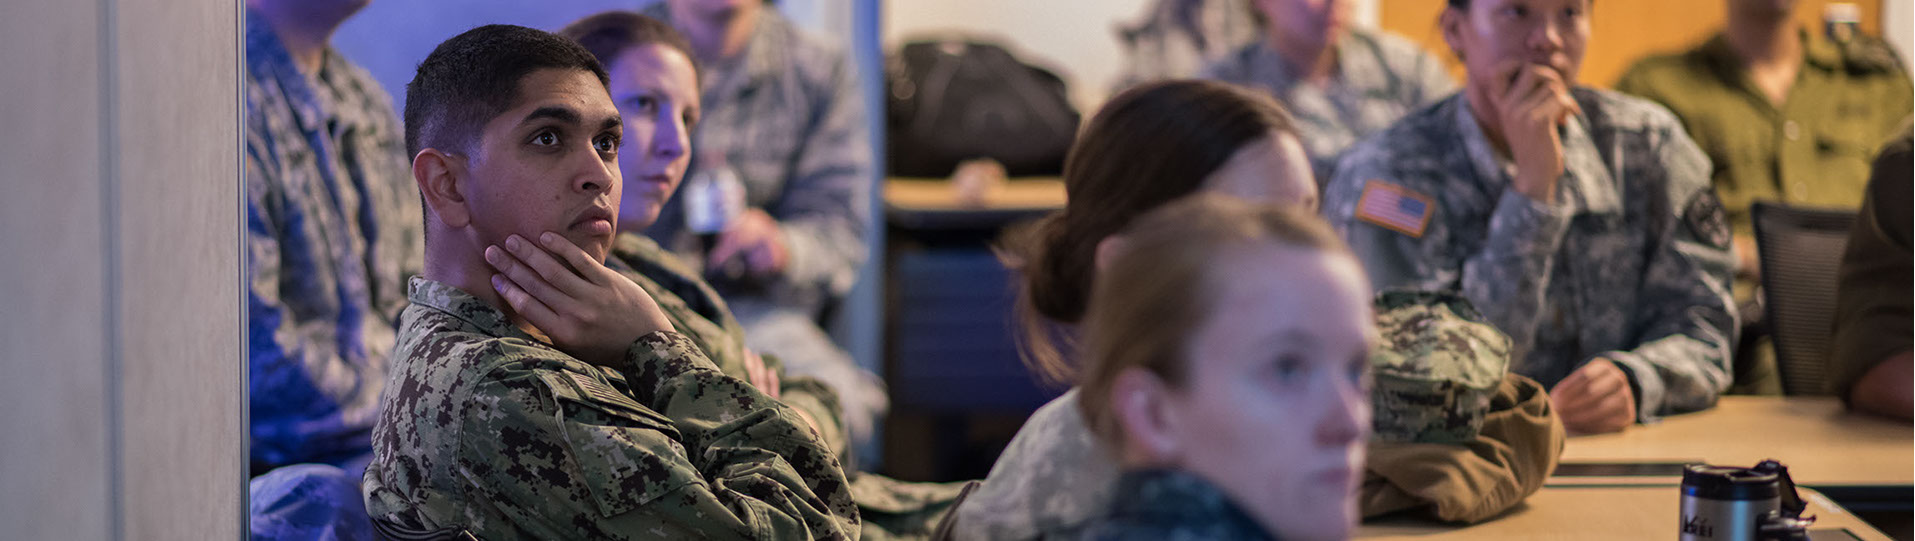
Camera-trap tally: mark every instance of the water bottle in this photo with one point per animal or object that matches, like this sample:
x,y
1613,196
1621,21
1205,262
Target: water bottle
x,y
1725,503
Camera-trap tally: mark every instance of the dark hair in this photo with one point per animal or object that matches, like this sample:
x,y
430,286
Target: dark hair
x,y
1148,146
473,77
609,33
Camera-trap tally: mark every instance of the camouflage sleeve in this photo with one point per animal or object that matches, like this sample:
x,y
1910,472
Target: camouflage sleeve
x,y
1505,279
1687,320
297,416
826,207
688,453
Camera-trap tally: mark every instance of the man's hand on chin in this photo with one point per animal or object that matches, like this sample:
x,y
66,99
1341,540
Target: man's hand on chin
x,y
587,310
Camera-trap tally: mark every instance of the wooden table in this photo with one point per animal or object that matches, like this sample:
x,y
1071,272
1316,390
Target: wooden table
x,y
1605,513
1045,193
1822,445
917,203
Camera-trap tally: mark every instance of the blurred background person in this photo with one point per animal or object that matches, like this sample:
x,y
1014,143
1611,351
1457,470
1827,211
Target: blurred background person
x,y
1227,424
1579,221
781,114
1149,146
1785,116
1179,39
1341,83
333,229
1871,362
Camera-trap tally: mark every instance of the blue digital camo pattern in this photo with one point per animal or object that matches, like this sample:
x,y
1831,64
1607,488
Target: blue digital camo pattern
x,y
786,115
333,229
1164,505
305,502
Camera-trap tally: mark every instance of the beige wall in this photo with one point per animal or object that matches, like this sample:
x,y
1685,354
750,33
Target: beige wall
x,y
120,334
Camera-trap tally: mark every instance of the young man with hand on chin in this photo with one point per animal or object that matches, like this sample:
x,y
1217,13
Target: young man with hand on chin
x,y
537,393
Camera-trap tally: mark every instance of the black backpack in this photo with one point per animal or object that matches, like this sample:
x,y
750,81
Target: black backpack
x,y
955,100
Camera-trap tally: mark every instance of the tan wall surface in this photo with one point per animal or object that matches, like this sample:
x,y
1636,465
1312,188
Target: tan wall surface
x,y
177,141
53,455
1622,31
120,319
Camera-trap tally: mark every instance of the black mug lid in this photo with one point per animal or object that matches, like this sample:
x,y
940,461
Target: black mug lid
x,y
1728,483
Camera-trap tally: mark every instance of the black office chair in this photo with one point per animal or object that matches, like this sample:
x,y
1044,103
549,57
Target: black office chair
x,y
1801,251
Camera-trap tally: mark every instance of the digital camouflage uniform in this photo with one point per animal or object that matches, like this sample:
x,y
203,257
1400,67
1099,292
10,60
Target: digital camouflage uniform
x,y
890,509
1437,368
1056,475
333,228
486,429
1631,263
1165,505
1379,78
785,114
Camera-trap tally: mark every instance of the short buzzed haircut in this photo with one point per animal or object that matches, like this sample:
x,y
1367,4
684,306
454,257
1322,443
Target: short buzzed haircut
x,y
473,77
608,34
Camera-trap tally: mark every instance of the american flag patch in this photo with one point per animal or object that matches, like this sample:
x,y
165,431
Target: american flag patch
x,y
599,391
1392,207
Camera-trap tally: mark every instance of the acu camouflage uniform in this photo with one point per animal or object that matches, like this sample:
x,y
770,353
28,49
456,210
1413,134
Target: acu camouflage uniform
x,y
1631,263
1164,505
1379,78
488,430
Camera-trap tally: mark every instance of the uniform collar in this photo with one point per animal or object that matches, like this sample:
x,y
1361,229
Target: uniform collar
x,y
1586,182
463,306
1172,497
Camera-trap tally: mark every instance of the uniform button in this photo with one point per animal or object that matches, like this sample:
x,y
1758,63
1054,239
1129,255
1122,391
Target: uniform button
x,y
1801,188
1791,130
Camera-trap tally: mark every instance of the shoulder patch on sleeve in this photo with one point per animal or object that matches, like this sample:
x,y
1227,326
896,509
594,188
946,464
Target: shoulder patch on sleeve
x,y
1394,208
585,389
1706,219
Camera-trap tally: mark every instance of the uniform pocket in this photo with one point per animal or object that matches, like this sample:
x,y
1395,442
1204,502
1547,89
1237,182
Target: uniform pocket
x,y
627,455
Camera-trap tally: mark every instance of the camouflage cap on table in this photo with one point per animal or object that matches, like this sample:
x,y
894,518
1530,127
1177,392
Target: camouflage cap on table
x,y
1436,367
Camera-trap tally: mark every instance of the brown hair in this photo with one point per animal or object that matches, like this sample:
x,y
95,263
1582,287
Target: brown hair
x,y
1156,292
1148,146
609,33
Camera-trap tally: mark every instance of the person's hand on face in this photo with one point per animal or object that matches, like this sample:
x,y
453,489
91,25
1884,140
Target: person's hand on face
x,y
756,239
589,311
1531,102
1595,399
